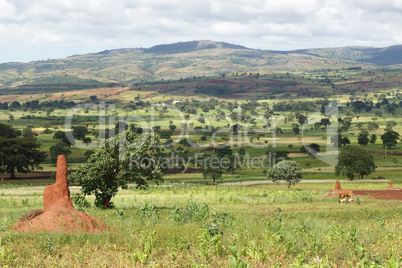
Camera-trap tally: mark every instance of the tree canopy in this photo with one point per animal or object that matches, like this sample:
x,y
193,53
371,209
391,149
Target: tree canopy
x,y
355,161
19,154
287,170
62,137
390,138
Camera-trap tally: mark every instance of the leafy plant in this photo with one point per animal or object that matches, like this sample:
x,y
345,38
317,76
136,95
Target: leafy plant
x,y
191,211
80,202
148,211
47,246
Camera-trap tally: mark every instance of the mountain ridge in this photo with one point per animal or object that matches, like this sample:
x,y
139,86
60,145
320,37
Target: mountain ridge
x,y
189,59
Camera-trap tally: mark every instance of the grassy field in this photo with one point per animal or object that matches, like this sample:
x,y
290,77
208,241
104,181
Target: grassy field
x,y
187,223
214,226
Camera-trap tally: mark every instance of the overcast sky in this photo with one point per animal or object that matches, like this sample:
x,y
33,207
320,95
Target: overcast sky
x,y
42,29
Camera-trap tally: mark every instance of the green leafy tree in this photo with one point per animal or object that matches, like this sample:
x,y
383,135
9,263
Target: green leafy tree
x,y
345,140
390,125
363,138
390,138
315,149
302,119
87,140
355,161
165,134
372,126
211,172
79,132
62,137
222,151
7,131
234,162
48,111
19,154
373,139
127,157
27,132
296,128
58,149
172,127
287,170
184,142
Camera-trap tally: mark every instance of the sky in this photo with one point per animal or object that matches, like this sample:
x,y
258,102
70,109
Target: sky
x,y
51,29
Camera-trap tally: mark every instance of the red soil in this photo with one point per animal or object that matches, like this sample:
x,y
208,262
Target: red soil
x,y
391,194
380,194
59,213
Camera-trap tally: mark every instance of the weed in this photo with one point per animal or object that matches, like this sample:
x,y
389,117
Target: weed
x,y
210,245
47,246
358,200
7,256
148,212
380,220
147,245
235,261
191,211
24,202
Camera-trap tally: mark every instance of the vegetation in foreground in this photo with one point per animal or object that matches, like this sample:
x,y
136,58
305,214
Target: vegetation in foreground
x,y
214,226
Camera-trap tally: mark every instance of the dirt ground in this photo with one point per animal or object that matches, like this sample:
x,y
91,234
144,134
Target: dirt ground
x,y
380,194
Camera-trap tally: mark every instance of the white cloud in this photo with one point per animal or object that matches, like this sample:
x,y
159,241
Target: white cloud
x,y
92,25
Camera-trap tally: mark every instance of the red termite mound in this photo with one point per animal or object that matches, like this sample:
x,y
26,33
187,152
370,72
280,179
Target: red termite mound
x,y
59,214
336,191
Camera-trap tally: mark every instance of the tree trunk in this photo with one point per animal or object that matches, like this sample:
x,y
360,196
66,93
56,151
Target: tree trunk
x,y
105,202
12,174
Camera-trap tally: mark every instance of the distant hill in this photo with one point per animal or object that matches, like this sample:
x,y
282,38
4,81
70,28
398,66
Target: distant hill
x,y
380,56
181,60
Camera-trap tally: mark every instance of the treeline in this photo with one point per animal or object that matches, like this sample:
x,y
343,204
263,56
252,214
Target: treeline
x,y
368,105
36,105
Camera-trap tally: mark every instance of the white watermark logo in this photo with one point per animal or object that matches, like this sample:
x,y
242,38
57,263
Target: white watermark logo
x,y
235,130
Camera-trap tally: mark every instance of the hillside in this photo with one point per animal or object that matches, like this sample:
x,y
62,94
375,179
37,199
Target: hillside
x,y
176,61
380,56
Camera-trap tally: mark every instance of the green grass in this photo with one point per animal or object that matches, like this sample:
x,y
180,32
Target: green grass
x,y
263,225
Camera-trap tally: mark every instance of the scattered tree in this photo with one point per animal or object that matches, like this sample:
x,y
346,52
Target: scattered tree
x,y
390,138
363,138
355,161
211,172
287,170
19,154
125,158
58,149
79,132
62,137
373,138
